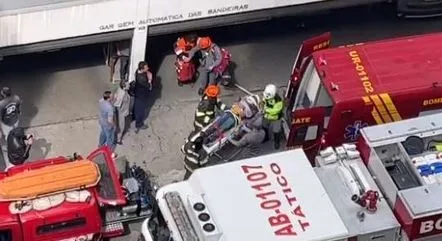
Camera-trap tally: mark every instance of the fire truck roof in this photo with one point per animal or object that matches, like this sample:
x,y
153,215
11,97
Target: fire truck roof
x,y
387,66
245,197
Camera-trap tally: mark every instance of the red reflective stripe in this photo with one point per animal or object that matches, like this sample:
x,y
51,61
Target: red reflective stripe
x,y
404,217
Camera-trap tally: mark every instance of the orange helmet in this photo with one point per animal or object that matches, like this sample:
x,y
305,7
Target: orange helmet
x,y
180,43
212,91
204,42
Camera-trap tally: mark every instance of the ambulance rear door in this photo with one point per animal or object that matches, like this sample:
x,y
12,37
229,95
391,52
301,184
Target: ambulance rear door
x,y
300,65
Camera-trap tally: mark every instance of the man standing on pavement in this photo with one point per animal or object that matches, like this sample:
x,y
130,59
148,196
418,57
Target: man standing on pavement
x,y
10,110
107,121
122,105
143,85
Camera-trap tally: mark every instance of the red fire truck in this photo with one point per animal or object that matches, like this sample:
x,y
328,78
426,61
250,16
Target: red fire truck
x,y
334,92
70,199
386,187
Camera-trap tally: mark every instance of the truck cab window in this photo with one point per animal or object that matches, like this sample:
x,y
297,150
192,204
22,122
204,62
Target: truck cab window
x,y
5,235
303,99
323,100
312,92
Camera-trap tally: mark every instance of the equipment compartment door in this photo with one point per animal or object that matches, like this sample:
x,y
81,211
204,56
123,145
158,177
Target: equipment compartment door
x,y
109,188
306,129
301,62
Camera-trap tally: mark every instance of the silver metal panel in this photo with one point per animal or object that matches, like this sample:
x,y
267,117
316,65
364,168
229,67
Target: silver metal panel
x,y
66,43
379,236
397,131
382,223
432,194
382,178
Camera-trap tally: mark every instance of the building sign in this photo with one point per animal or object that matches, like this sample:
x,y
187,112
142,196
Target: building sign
x,y
117,26
173,18
230,9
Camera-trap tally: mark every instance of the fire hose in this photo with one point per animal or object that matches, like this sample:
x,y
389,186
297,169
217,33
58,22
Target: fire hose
x,y
243,89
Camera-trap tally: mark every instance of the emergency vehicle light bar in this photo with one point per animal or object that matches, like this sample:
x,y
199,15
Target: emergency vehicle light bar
x,y
180,216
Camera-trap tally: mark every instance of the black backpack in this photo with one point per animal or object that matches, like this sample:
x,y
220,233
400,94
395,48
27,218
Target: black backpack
x,y
10,113
131,90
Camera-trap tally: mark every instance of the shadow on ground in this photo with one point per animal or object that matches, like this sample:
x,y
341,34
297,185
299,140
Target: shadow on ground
x,y
56,86
154,95
40,149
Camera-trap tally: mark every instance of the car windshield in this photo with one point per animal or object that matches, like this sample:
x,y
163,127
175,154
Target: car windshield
x,y
106,186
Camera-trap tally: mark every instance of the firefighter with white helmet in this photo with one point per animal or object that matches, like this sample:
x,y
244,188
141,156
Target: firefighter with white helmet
x,y
273,111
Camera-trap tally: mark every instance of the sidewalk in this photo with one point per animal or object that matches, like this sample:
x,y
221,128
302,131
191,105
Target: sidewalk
x,y
157,148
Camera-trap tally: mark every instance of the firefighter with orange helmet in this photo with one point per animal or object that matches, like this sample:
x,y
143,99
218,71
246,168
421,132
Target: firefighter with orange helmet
x,y
185,44
211,57
207,108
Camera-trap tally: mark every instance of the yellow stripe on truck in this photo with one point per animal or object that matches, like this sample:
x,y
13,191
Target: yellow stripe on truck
x,y
366,100
376,116
380,106
391,107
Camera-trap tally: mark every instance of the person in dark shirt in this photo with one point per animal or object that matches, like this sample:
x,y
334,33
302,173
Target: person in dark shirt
x,y
10,110
143,85
18,145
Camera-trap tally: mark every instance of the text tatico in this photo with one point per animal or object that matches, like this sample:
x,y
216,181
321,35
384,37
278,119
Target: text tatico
x,y
266,182
430,226
361,70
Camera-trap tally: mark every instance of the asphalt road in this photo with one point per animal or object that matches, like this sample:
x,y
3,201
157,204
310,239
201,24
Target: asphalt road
x,y
60,90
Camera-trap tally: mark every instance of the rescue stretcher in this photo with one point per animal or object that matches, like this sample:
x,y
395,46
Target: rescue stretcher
x,y
216,136
49,180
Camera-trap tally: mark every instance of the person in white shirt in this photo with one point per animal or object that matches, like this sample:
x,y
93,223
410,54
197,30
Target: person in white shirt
x,y
122,107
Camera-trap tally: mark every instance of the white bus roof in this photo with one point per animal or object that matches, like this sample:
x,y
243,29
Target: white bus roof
x,y
236,210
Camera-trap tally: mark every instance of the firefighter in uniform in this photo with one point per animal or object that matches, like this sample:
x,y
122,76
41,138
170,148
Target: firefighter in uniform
x,y
211,57
194,156
208,107
273,107
185,44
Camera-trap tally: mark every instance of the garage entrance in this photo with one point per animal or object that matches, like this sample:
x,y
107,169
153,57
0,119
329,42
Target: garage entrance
x,y
58,86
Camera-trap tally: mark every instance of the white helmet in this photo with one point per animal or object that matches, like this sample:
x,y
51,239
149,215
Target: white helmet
x,y
269,92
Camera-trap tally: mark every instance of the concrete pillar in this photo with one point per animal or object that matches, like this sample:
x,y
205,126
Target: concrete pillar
x,y
139,39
